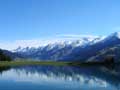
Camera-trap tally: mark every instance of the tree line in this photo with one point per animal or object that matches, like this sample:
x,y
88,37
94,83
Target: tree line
x,y
4,57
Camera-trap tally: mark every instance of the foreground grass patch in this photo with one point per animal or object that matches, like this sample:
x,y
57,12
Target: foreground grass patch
x,y
53,63
27,63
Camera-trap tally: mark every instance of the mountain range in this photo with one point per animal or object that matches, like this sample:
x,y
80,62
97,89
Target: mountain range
x,y
82,49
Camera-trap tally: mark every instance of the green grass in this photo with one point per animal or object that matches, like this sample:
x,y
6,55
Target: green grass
x,y
29,63
52,63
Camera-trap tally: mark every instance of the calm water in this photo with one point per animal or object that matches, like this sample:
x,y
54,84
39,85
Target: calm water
x,y
59,78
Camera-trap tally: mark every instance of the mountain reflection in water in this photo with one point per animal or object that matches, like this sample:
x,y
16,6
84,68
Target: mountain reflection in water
x,y
89,77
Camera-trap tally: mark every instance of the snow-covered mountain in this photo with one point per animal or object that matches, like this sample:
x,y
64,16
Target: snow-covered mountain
x,y
83,41
80,49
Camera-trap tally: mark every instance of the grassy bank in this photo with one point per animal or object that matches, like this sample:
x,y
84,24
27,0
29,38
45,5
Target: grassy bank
x,y
52,63
29,63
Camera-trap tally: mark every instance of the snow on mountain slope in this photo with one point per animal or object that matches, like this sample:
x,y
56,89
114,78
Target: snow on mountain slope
x,y
112,37
116,34
70,49
83,41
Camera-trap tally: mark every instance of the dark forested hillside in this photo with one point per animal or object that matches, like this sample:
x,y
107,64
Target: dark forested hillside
x,y
4,57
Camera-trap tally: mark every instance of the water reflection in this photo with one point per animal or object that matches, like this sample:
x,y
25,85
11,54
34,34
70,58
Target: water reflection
x,y
79,77
4,68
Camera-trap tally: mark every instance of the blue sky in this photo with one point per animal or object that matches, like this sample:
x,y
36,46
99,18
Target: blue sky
x,y
34,19
29,19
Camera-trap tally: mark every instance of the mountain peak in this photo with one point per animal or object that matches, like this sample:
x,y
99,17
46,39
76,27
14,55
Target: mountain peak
x,y
116,34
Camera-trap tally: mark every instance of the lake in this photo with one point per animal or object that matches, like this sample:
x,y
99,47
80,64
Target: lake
x,y
59,78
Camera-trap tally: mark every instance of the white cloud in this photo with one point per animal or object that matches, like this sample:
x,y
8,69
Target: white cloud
x,y
75,36
40,42
23,43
